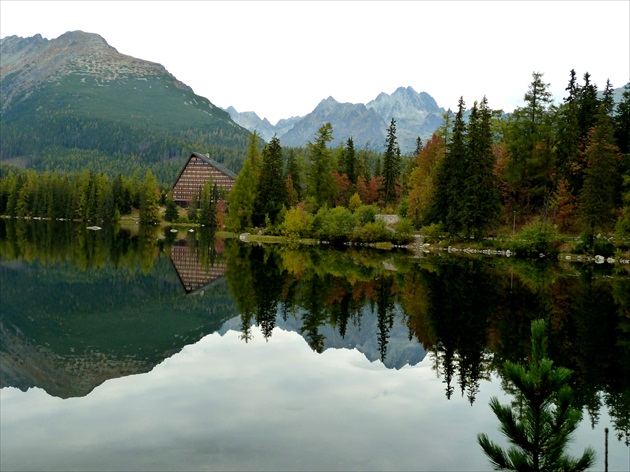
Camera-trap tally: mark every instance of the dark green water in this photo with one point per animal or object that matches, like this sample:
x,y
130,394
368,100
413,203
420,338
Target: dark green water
x,y
177,351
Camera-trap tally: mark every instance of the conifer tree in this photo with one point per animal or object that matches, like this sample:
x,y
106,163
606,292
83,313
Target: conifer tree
x,y
242,198
171,213
391,165
567,142
350,161
538,434
451,177
293,171
602,181
272,187
150,200
320,183
479,196
588,106
622,122
529,144
207,204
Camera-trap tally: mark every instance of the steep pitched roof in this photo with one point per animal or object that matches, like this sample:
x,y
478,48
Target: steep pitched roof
x,y
214,163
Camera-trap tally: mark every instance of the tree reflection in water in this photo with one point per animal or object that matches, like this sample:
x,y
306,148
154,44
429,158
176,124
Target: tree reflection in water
x,y
471,313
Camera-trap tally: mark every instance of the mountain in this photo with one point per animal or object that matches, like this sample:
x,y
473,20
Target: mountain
x,y
75,101
363,337
416,114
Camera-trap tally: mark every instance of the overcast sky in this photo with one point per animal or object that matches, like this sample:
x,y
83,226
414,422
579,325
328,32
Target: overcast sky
x,y
280,59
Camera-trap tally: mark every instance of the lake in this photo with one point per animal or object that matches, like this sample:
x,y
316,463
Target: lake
x,y
159,350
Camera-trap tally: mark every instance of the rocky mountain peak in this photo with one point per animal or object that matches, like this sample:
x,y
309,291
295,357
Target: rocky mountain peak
x,y
75,53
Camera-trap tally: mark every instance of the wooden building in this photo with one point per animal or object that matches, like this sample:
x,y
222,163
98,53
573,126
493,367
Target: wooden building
x,y
198,170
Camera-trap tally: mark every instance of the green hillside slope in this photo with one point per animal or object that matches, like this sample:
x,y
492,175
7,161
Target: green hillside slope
x,y
75,102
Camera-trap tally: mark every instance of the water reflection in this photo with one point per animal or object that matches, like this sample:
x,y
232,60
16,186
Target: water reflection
x,y
80,307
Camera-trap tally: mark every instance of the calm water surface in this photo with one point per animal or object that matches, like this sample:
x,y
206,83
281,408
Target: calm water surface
x,y
122,352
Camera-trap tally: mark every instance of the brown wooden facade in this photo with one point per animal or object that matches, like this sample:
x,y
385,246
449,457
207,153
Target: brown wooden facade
x,y
198,170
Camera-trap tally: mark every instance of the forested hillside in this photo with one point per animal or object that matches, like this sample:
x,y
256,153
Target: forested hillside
x,y
75,103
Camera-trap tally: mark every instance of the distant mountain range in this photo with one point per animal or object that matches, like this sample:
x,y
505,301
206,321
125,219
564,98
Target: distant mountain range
x,y
416,115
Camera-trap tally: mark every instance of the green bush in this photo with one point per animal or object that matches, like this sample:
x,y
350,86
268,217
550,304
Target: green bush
x,y
366,213
536,237
432,233
337,225
371,232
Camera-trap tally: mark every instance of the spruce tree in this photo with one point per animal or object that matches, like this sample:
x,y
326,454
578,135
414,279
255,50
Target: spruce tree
x,y
207,213
150,200
320,179
272,187
293,172
391,165
597,199
479,196
242,198
171,213
350,161
451,177
541,429
529,144
567,143
622,122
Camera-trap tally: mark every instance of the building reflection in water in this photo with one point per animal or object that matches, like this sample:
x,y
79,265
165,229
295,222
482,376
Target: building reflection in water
x,y
194,274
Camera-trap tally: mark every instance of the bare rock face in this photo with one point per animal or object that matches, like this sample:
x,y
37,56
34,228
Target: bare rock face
x,y
416,115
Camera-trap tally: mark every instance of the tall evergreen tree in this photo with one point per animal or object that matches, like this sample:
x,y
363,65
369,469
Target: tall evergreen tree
x,y
451,177
479,196
588,106
540,433
529,144
150,202
207,206
391,165
622,122
320,179
350,161
171,213
293,171
272,189
567,142
598,197
242,198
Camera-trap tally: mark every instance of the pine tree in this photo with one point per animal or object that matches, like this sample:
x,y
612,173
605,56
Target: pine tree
x,y
293,171
540,433
451,177
171,213
479,196
622,122
567,142
150,201
207,213
588,106
391,165
272,187
529,144
598,197
320,184
350,161
242,198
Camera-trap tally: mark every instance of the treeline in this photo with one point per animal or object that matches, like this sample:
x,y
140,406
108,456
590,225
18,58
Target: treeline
x,y
84,196
563,166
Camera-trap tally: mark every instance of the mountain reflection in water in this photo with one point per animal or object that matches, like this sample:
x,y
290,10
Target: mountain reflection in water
x,y
81,307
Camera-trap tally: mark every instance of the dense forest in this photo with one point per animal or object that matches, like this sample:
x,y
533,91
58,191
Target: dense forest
x,y
546,168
